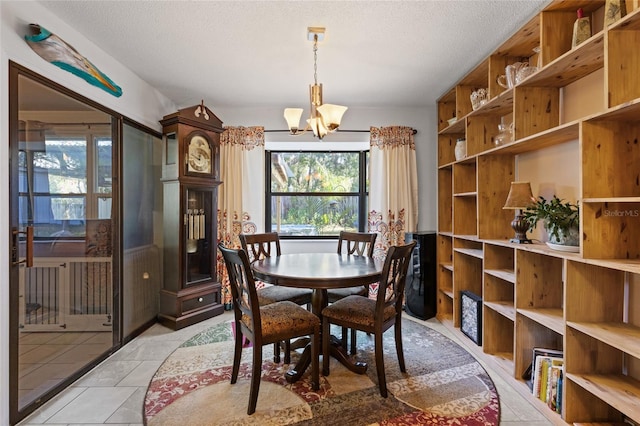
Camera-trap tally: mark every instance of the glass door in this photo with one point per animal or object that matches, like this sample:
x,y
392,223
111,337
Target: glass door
x,y
62,295
200,254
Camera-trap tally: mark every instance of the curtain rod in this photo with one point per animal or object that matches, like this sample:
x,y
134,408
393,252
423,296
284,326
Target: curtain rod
x,y
338,131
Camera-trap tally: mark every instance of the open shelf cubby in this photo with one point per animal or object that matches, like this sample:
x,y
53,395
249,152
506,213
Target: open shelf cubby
x,y
498,335
444,255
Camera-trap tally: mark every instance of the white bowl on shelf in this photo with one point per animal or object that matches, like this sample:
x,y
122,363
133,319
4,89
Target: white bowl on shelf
x,y
562,247
451,121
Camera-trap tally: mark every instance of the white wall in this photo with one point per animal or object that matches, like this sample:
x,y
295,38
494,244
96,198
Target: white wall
x,y
139,102
144,104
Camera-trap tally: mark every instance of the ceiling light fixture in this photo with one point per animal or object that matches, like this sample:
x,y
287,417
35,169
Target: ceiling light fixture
x,y
323,118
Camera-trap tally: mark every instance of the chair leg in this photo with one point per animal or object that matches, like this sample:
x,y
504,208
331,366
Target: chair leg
x,y
315,356
345,334
287,351
354,333
276,352
382,380
255,379
237,354
399,351
325,347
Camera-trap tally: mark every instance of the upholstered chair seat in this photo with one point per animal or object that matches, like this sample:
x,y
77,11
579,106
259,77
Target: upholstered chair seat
x,y
280,319
340,293
274,293
358,310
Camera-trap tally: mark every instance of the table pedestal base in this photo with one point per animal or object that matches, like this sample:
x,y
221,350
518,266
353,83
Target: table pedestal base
x,y
335,350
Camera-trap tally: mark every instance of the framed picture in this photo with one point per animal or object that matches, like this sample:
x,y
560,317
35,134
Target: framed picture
x,y
471,316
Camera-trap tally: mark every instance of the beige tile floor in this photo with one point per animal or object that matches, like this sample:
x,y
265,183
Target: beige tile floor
x,y
46,359
113,392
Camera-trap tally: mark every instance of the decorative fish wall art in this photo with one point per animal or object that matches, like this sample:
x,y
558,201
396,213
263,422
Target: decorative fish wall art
x,y
55,50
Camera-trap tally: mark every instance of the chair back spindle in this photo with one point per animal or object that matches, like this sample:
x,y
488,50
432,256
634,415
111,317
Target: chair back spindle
x,y
259,246
394,277
243,288
357,243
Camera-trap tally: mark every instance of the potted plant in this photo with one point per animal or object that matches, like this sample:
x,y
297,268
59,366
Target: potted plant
x,y
561,220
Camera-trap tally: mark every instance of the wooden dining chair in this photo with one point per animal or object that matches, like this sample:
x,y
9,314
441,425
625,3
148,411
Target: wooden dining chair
x,y
356,244
266,324
374,316
259,246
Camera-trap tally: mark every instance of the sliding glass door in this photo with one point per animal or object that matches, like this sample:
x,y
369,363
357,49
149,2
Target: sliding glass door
x,y
86,255
62,275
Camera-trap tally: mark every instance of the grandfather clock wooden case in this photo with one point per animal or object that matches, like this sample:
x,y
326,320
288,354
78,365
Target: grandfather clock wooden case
x,y
191,176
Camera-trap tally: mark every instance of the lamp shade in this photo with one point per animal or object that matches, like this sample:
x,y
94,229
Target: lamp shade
x,y
292,115
331,115
520,196
318,127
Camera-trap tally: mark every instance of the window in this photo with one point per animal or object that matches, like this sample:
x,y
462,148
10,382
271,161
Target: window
x,y
316,193
65,180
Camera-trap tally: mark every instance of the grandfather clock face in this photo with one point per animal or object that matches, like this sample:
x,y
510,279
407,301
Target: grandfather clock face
x,y
198,155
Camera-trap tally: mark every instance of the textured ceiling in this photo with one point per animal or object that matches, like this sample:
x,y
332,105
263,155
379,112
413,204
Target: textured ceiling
x,y
256,53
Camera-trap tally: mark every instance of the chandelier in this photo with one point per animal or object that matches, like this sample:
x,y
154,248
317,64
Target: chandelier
x,y
323,118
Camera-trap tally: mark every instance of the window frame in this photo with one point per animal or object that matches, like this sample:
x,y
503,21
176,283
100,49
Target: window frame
x,y
362,194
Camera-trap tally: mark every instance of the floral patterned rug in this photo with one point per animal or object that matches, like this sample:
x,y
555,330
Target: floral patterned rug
x,y
443,385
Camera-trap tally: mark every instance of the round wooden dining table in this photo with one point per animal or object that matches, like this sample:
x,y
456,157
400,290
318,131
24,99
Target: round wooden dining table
x,y
319,272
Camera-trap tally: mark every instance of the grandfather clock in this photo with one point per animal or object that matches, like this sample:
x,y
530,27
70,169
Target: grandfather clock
x,y
190,176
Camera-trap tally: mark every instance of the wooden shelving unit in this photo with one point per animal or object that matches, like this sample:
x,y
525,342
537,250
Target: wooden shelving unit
x,y
586,304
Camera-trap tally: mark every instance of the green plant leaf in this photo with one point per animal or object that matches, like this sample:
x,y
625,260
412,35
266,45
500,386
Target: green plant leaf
x,y
557,215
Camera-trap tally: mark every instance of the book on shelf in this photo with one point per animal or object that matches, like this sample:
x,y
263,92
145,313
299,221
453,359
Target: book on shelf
x,y
548,381
559,392
543,375
530,374
553,383
541,372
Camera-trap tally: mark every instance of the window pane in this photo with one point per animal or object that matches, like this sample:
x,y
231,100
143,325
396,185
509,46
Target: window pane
x,y
315,172
314,215
104,208
62,169
54,216
103,168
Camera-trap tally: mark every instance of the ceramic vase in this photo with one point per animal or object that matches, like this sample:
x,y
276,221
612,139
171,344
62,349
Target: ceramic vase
x,y
613,11
460,149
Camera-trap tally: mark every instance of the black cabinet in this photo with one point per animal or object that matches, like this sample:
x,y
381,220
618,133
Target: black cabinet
x,y
420,289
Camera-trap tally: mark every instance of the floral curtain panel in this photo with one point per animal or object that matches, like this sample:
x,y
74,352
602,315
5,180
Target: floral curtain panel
x,y
239,210
393,186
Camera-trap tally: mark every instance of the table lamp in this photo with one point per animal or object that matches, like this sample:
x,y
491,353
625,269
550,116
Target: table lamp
x,y
519,198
